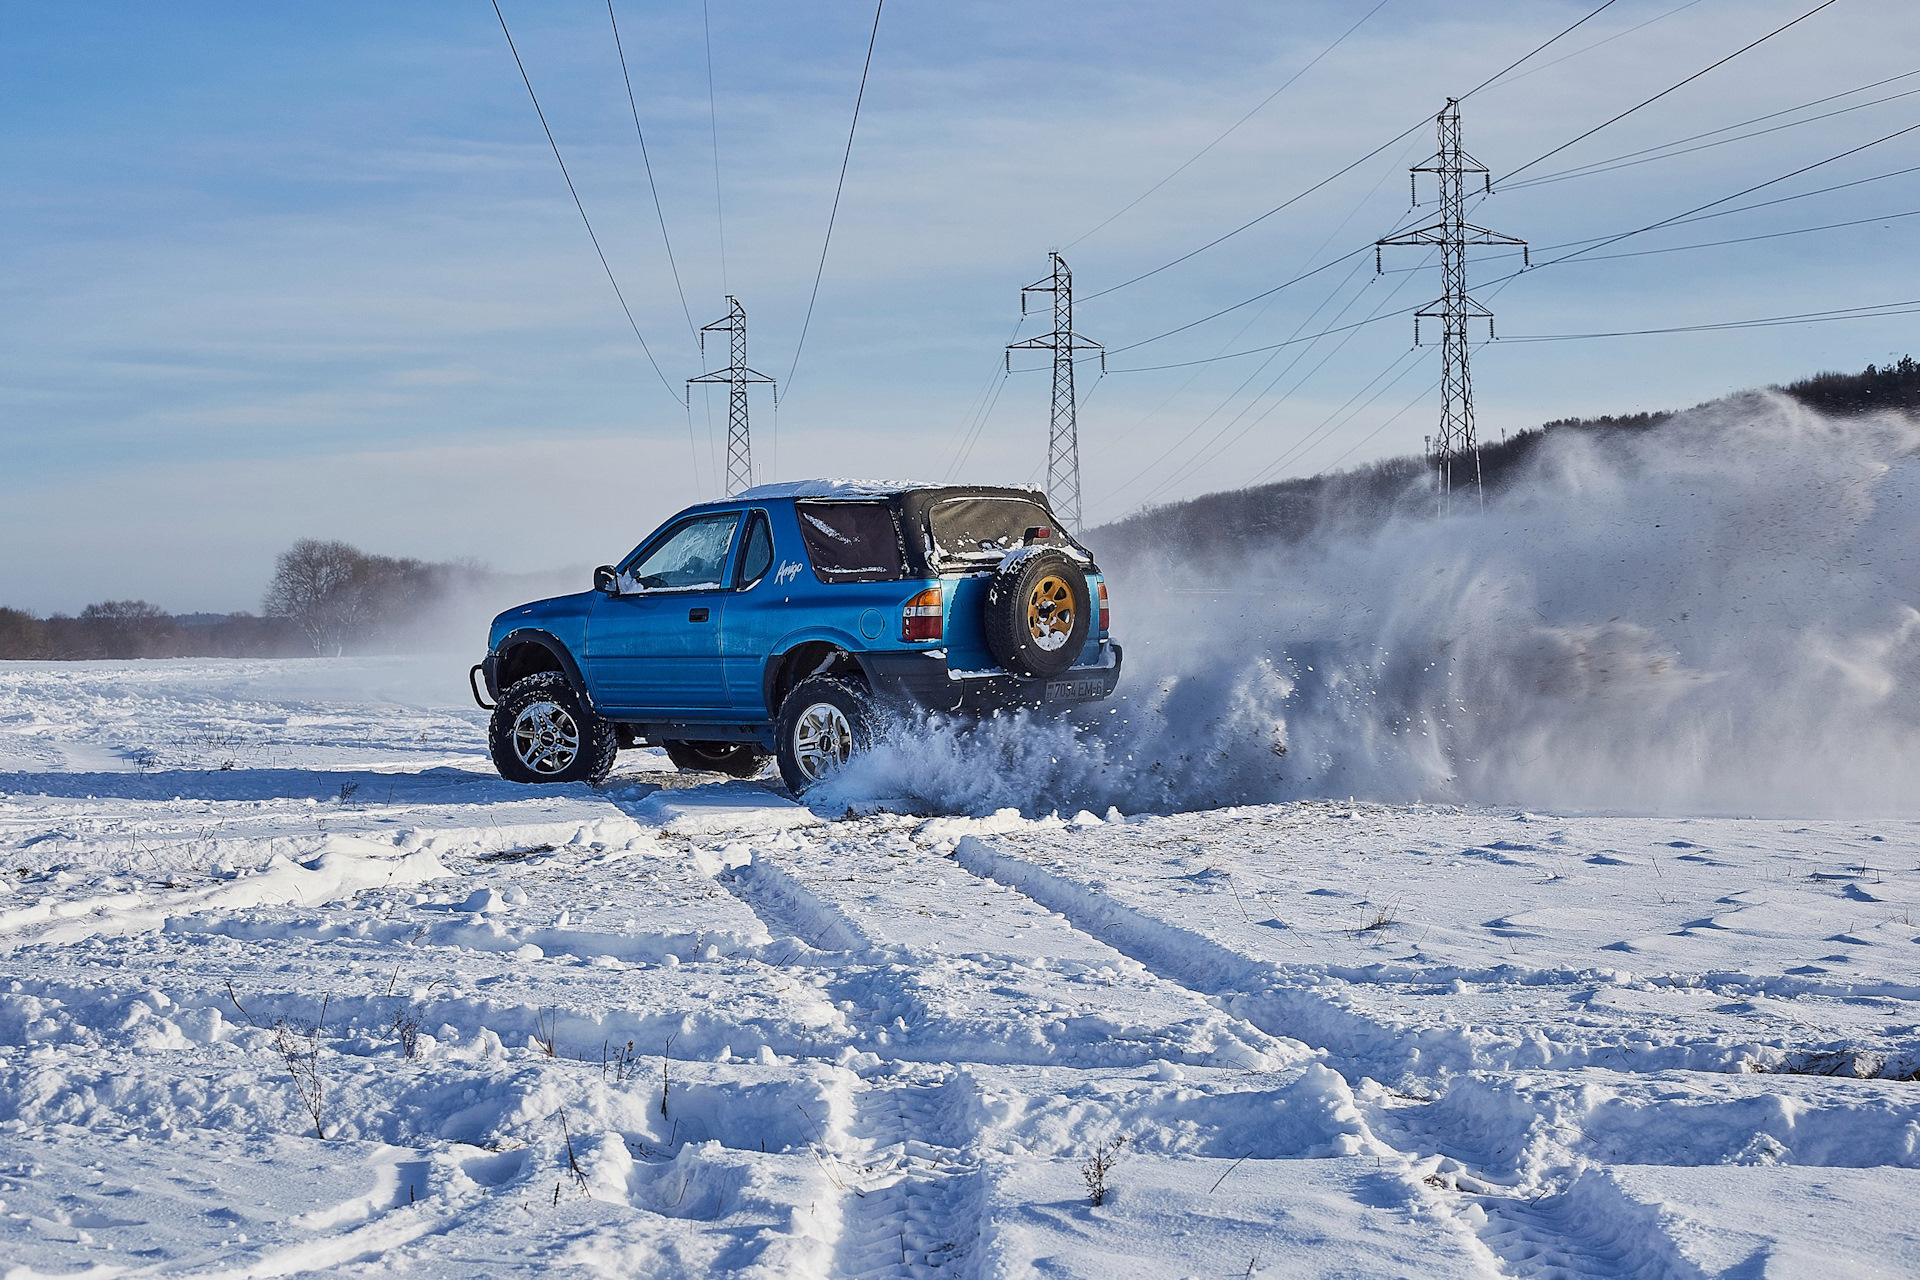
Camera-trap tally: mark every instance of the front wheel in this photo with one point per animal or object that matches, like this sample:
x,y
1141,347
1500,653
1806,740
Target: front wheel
x,y
544,731
823,723
735,759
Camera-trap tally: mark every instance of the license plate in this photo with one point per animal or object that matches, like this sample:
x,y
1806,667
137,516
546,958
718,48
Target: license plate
x,y
1074,690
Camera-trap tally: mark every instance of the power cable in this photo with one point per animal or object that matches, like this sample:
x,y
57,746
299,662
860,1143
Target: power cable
x,y
1740,124
588,222
834,213
1426,391
1534,71
1653,226
1669,89
1235,125
1246,382
646,160
1219,445
1340,417
1906,306
713,126
1671,150
1419,124
1701,244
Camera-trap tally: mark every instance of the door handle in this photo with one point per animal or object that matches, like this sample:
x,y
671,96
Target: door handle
x,y
696,615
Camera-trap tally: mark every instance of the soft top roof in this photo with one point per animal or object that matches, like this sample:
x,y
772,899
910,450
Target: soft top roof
x,y
872,489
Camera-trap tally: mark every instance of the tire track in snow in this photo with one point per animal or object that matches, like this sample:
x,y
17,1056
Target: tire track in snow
x,y
1553,1237
919,1211
910,1206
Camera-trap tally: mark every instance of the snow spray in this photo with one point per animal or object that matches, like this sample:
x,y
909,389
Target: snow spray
x,y
1716,615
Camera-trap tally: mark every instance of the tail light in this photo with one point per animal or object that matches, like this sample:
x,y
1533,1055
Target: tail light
x,y
920,619
1103,606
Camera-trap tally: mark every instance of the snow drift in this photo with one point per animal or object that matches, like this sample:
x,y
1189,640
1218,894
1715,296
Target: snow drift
x,y
1715,615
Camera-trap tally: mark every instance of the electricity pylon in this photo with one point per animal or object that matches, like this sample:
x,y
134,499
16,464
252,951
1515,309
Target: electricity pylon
x,y
1063,438
736,376
1455,307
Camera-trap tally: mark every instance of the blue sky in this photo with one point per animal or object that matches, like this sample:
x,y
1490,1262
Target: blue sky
x,y
310,270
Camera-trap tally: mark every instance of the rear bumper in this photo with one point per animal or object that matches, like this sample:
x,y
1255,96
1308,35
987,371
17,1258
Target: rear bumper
x,y
924,680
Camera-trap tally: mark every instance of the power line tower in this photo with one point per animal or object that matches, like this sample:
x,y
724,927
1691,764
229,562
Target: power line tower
x,y
1455,307
1063,439
735,376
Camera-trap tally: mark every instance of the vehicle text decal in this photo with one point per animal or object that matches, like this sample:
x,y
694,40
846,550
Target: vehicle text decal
x,y
789,570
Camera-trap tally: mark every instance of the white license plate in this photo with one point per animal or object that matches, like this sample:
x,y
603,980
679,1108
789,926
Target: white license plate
x,y
1074,690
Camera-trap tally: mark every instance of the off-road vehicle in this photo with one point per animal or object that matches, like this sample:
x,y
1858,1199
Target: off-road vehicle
x,y
790,619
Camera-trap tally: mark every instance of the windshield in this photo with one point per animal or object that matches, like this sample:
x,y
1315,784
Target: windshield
x,y
851,541
982,530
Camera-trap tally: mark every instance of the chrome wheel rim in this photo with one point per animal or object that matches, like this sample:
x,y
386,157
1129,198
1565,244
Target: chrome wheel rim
x,y
822,740
545,737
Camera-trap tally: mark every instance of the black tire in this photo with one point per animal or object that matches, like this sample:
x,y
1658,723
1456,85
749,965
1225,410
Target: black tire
x,y
735,759
544,731
811,742
1025,629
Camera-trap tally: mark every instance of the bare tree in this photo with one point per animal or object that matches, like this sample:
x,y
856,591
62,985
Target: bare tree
x,y
320,585
340,596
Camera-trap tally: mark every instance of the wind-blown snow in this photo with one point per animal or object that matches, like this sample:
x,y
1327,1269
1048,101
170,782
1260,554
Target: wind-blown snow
x,y
1718,615
681,1026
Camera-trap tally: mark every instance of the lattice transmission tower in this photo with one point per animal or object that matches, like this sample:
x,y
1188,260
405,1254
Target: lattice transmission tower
x,y
1455,308
735,376
1063,437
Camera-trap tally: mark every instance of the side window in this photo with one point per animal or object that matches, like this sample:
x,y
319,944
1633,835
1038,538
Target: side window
x,y
692,554
851,541
756,552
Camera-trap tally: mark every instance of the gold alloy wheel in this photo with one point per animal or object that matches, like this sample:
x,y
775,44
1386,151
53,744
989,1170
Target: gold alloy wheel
x,y
1050,612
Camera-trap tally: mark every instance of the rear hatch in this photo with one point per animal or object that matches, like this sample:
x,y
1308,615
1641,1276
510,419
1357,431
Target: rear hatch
x,y
964,534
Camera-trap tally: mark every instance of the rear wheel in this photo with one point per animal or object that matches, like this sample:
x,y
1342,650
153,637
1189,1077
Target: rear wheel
x,y
735,759
824,722
542,730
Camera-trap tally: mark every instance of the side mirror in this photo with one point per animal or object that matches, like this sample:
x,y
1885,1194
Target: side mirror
x,y
606,581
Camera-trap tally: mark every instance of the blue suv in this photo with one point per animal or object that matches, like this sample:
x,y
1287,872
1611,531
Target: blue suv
x,y
791,619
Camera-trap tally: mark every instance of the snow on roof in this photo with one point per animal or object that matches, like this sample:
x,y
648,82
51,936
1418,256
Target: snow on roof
x,y
844,488
834,488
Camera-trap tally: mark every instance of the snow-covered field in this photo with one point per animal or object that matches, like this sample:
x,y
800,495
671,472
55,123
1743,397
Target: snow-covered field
x,y
684,1027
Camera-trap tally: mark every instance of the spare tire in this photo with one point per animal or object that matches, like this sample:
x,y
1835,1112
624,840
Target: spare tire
x,y
1038,610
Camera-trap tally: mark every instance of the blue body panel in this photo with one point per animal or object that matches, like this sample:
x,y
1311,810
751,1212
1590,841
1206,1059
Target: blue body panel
x,y
704,654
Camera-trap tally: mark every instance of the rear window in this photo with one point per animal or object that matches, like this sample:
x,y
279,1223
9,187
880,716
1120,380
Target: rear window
x,y
981,530
851,541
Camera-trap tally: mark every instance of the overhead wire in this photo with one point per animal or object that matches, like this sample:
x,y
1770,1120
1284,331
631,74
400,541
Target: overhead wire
x,y
1673,150
575,193
1404,409
647,161
1349,168
1346,412
1906,306
713,127
1589,48
1222,136
845,158
1654,226
1221,442
1824,4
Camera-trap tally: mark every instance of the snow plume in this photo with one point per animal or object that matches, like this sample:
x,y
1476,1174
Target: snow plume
x,y
1715,615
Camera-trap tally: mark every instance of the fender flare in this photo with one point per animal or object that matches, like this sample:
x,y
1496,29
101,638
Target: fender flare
x,y
544,640
851,645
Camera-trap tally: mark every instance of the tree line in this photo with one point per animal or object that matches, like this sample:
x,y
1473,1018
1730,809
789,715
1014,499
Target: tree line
x,y
324,598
